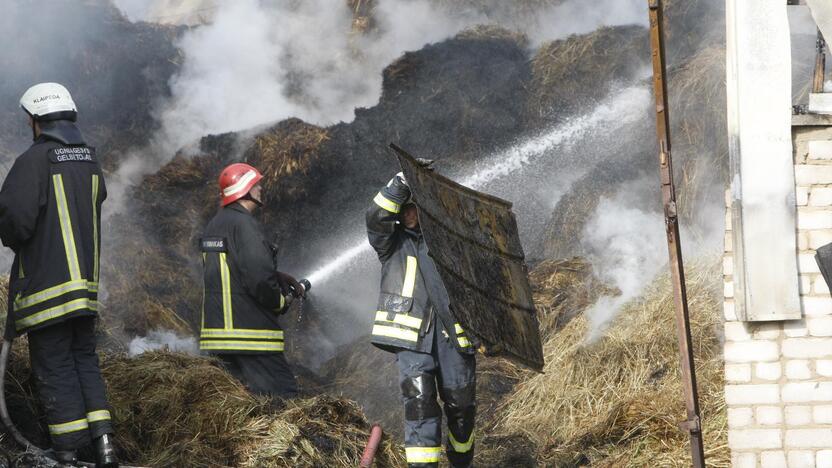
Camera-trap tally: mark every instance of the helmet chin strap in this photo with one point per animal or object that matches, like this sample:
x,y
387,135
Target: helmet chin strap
x,y
252,199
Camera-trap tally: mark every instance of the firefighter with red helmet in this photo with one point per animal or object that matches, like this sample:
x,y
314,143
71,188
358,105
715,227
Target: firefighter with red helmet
x,y
244,291
50,216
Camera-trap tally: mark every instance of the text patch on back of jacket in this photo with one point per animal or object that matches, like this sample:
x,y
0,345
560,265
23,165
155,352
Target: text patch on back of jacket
x,y
72,154
213,244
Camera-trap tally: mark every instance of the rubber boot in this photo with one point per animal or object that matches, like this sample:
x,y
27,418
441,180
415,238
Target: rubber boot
x,y
66,458
105,452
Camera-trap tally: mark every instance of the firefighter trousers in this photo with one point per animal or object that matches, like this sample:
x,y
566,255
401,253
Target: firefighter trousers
x,y
453,376
69,383
263,374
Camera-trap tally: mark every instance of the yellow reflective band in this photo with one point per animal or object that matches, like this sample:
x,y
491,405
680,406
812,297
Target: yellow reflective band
x,y
393,332
458,329
226,293
100,415
95,226
282,302
228,345
423,454
409,277
386,203
53,292
463,342
401,319
66,428
55,312
241,333
20,265
66,228
461,447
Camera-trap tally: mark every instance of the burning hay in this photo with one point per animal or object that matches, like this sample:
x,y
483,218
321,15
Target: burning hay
x,y
617,401
568,70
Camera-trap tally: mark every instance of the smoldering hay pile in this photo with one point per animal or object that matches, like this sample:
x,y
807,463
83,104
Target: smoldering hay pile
x,y
456,101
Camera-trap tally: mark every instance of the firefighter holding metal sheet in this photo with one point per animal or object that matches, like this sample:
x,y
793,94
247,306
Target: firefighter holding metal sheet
x,y
414,320
50,216
244,292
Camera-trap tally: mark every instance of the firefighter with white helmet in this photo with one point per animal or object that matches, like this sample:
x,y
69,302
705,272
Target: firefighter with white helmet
x,y
244,291
50,216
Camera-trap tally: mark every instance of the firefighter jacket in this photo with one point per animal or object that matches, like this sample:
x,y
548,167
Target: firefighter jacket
x,y
242,298
50,216
413,298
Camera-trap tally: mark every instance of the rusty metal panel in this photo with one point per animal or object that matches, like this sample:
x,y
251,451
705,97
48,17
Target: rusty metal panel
x,y
473,239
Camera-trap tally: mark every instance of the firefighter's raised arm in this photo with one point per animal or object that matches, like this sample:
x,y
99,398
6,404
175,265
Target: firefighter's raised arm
x,y
383,214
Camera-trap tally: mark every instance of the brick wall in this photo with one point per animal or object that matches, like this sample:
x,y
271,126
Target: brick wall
x,y
779,374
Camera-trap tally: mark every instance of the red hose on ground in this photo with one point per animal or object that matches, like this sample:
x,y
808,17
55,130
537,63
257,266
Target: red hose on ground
x,y
371,447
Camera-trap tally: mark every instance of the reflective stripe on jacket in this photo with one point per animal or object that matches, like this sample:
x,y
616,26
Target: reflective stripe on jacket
x,y
242,298
50,215
412,297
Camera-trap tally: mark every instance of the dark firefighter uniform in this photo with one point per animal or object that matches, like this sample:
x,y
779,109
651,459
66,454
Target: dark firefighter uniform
x,y
414,320
242,303
50,215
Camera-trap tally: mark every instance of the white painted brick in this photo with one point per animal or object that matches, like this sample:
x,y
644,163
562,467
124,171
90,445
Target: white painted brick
x,y
736,331
738,373
728,289
805,392
766,330
729,242
802,240
802,196
744,439
802,348
819,285
768,370
822,414
824,459
759,394
820,150
824,367
728,265
808,438
820,326
800,459
812,174
795,328
769,415
729,311
744,460
728,220
754,351
819,238
740,417
813,219
805,285
806,263
798,415
820,196
798,370
815,306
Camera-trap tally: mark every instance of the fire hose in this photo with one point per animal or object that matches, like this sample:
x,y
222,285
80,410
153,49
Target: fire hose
x,y
372,447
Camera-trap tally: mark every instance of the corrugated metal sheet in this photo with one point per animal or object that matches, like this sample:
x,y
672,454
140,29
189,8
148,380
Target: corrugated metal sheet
x,y
474,242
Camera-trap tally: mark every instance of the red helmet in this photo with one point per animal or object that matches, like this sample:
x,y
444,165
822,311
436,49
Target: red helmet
x,y
236,181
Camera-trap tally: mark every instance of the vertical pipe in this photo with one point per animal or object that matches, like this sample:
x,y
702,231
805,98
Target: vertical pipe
x,y
692,425
820,65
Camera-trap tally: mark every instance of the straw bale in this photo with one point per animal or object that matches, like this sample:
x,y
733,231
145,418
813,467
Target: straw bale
x,y
618,400
489,31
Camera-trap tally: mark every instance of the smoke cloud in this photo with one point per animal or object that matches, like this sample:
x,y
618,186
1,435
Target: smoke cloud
x,y
162,340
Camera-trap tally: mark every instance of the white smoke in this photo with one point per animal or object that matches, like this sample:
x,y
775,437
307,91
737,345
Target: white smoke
x,y
166,340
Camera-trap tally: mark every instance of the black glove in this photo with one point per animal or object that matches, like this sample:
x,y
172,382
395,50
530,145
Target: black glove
x,y
426,164
289,285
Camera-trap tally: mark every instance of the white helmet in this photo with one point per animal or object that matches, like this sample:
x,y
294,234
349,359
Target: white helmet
x,y
49,101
